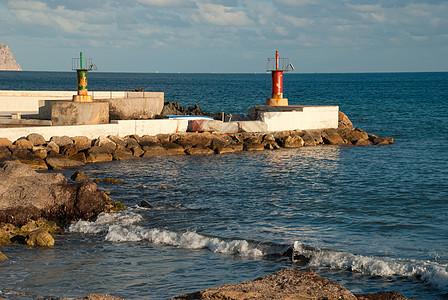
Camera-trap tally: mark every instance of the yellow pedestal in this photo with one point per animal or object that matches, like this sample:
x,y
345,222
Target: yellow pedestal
x,y
82,98
277,101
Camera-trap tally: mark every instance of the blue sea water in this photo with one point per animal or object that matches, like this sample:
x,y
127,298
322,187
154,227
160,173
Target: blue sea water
x,y
370,218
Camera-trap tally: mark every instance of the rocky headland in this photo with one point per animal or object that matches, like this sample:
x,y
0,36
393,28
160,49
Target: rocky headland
x,y
7,61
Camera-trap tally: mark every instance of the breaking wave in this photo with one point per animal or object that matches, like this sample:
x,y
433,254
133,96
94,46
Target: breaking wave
x,y
431,272
123,227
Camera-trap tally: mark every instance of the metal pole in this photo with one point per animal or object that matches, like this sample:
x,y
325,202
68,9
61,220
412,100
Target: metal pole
x,y
82,64
276,60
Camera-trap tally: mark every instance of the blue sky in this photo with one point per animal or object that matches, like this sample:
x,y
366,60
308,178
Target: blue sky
x,y
228,36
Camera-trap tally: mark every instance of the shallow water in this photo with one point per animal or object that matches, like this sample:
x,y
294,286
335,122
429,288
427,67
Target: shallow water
x,y
370,218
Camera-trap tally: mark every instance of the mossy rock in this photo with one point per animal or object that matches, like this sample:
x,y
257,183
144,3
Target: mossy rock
x,y
108,180
118,206
41,223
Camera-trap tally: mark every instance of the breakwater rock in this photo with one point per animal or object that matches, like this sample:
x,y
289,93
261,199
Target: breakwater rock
x,y
66,152
27,195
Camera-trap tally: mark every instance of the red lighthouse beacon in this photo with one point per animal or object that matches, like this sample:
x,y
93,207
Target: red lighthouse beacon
x,y
277,66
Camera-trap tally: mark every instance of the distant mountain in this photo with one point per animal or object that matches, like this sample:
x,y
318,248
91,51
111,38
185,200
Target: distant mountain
x,y
7,61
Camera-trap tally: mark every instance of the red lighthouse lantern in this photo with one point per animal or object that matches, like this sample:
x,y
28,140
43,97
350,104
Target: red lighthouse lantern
x,y
277,66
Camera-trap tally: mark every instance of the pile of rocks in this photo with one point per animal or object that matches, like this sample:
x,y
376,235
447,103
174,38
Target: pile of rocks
x,y
64,152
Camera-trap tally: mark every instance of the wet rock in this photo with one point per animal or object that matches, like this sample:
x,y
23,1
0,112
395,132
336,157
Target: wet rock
x,y
96,297
39,238
41,223
5,236
284,284
98,154
173,148
5,142
26,195
163,187
388,295
146,204
61,140
363,142
108,180
253,146
231,148
2,257
381,141
199,150
204,139
58,162
80,176
23,144
82,142
36,139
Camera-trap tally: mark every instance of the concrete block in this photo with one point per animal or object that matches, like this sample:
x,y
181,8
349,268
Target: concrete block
x,y
90,131
204,125
160,126
252,126
296,117
134,108
229,127
79,113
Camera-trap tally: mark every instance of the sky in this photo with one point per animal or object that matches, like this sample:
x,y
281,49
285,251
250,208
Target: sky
x,y
190,36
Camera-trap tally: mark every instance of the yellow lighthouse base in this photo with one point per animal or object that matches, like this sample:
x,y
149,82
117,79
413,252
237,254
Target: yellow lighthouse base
x,y
277,101
82,98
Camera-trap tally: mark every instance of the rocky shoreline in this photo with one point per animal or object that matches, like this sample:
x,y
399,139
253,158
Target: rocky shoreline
x,y
69,152
35,206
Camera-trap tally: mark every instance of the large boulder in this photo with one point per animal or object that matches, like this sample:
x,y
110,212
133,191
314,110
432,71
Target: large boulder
x,y
27,195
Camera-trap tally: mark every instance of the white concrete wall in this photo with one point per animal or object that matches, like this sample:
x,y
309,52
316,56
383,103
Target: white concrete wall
x,y
119,128
150,127
311,117
28,101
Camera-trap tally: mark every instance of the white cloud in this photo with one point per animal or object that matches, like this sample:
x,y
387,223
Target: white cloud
x,y
166,3
222,15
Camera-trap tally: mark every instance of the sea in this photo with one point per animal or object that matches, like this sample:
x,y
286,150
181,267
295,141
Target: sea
x,y
371,218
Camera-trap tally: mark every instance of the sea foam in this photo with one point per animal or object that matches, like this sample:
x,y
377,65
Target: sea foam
x,y
431,272
186,240
123,227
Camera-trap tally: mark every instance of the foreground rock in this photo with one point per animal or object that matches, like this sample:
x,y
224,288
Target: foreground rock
x,y
285,284
27,195
95,297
